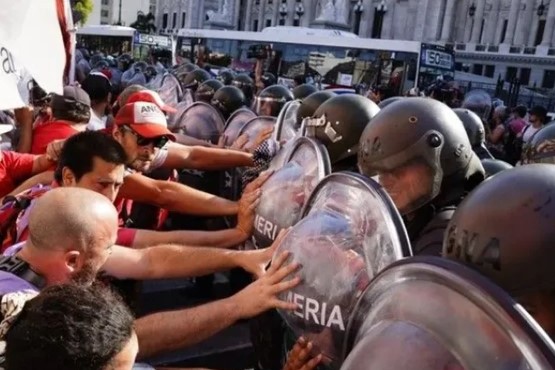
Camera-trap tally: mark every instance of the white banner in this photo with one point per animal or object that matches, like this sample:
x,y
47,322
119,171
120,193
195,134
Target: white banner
x,y
30,45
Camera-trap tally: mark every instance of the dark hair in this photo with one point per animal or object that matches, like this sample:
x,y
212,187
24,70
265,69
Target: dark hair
x,y
98,87
520,111
69,327
80,150
70,110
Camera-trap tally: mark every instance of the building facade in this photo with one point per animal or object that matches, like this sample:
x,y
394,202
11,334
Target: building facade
x,y
492,38
122,12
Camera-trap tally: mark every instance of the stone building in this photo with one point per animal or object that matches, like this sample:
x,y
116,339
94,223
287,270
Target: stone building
x,y
492,38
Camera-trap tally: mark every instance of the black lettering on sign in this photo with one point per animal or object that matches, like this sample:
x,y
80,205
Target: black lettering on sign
x,y
471,248
8,65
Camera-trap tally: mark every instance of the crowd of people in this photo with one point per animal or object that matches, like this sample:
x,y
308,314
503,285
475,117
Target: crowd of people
x,y
108,182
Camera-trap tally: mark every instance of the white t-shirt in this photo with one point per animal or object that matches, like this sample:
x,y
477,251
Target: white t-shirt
x,y
96,123
529,131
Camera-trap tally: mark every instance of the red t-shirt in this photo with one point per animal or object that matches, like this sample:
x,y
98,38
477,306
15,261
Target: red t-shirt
x,y
14,168
48,132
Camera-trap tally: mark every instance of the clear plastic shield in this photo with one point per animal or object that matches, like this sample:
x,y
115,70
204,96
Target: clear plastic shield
x,y
170,90
427,313
156,83
350,232
480,102
235,122
201,121
286,124
255,126
287,190
173,117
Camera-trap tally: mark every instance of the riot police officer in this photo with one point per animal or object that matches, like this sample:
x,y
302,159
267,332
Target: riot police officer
x,y
516,249
310,103
194,78
226,76
494,166
475,130
228,99
421,154
270,101
207,89
541,148
246,85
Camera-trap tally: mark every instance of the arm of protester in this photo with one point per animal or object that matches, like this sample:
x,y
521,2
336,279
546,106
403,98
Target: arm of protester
x,y
42,163
179,261
176,197
44,178
24,120
216,239
203,158
168,331
301,358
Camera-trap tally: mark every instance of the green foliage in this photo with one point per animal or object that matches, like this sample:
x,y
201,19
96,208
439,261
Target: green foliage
x,y
81,10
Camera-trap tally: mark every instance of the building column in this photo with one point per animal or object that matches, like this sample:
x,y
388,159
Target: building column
x,y
525,24
549,24
511,27
367,19
307,17
421,20
261,13
478,18
388,24
448,21
491,23
248,14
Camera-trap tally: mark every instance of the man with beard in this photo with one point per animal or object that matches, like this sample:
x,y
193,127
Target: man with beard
x,y
77,241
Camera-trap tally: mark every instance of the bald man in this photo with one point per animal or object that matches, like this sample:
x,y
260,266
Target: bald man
x,y
72,236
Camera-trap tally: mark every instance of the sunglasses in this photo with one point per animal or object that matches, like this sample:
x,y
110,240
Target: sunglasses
x,y
157,142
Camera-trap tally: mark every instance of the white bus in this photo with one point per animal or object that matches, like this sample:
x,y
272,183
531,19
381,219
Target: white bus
x,y
122,40
337,58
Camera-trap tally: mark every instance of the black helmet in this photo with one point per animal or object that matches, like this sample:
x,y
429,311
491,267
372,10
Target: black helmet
x,y
228,99
271,100
245,83
494,166
124,61
304,90
473,126
139,67
339,122
268,79
96,59
207,89
195,78
384,103
101,64
504,229
186,68
226,76
541,148
311,103
427,135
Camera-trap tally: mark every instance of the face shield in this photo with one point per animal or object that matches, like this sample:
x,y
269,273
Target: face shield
x,y
413,177
267,106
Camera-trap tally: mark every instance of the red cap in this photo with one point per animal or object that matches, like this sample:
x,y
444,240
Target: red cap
x,y
146,119
150,97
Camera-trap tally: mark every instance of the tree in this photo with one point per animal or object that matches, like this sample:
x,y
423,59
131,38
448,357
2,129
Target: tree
x,y
81,10
144,23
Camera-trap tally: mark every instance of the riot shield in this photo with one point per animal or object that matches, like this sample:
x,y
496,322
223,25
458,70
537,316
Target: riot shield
x,y
480,102
287,190
231,186
173,117
350,231
286,124
201,121
427,313
235,122
170,90
156,82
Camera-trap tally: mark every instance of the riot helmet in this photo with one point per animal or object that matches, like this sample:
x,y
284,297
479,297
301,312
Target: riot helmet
x,y
419,149
303,91
268,79
207,89
339,122
494,166
228,99
195,78
504,229
270,101
541,148
246,84
96,59
139,67
226,76
478,101
384,103
475,130
311,103
124,62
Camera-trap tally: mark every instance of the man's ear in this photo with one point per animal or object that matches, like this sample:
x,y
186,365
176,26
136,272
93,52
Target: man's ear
x,y
73,261
68,177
